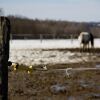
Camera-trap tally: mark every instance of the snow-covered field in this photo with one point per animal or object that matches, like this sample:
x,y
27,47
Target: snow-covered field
x,y
30,52
47,44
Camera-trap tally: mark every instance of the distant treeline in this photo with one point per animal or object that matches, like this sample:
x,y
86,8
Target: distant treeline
x,y
21,26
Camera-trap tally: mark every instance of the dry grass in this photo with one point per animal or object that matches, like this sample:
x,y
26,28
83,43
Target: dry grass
x,y
82,85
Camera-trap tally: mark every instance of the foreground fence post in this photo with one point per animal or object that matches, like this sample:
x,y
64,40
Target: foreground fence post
x,y
4,56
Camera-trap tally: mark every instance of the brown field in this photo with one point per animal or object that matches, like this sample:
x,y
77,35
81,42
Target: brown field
x,y
38,85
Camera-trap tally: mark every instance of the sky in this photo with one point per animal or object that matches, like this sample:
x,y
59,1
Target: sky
x,y
68,10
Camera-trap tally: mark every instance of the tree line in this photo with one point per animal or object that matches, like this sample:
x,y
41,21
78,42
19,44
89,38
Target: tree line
x,y
51,28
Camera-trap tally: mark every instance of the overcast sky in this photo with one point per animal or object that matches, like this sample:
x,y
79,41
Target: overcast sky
x,y
70,10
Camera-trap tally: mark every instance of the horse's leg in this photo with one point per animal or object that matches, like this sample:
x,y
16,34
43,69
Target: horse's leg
x,y
83,47
88,47
80,49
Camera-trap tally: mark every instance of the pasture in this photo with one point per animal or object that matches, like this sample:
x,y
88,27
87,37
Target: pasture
x,y
54,83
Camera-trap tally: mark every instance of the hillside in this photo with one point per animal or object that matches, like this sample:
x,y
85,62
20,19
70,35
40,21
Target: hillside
x,y
34,28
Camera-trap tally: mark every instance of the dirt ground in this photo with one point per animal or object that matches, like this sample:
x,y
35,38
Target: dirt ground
x,y
54,83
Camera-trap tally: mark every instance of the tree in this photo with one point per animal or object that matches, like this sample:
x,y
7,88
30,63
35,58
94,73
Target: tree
x,y
1,12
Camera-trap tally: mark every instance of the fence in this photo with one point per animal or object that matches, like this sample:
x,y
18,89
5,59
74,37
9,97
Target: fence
x,y
42,36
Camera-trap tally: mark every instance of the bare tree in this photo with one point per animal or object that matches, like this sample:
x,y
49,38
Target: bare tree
x,y
1,12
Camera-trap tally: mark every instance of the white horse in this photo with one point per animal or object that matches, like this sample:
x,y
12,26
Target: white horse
x,y
86,40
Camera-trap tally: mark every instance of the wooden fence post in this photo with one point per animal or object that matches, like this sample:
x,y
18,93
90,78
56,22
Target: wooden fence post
x,y
4,56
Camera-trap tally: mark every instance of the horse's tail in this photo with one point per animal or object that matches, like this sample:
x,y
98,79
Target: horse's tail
x,y
92,40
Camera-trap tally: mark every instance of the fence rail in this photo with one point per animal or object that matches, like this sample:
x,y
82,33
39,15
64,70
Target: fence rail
x,y
41,36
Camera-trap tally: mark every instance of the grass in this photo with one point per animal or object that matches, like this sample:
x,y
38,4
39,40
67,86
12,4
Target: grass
x,y
36,86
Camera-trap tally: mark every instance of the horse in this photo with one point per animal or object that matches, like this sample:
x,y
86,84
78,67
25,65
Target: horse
x,y
86,40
